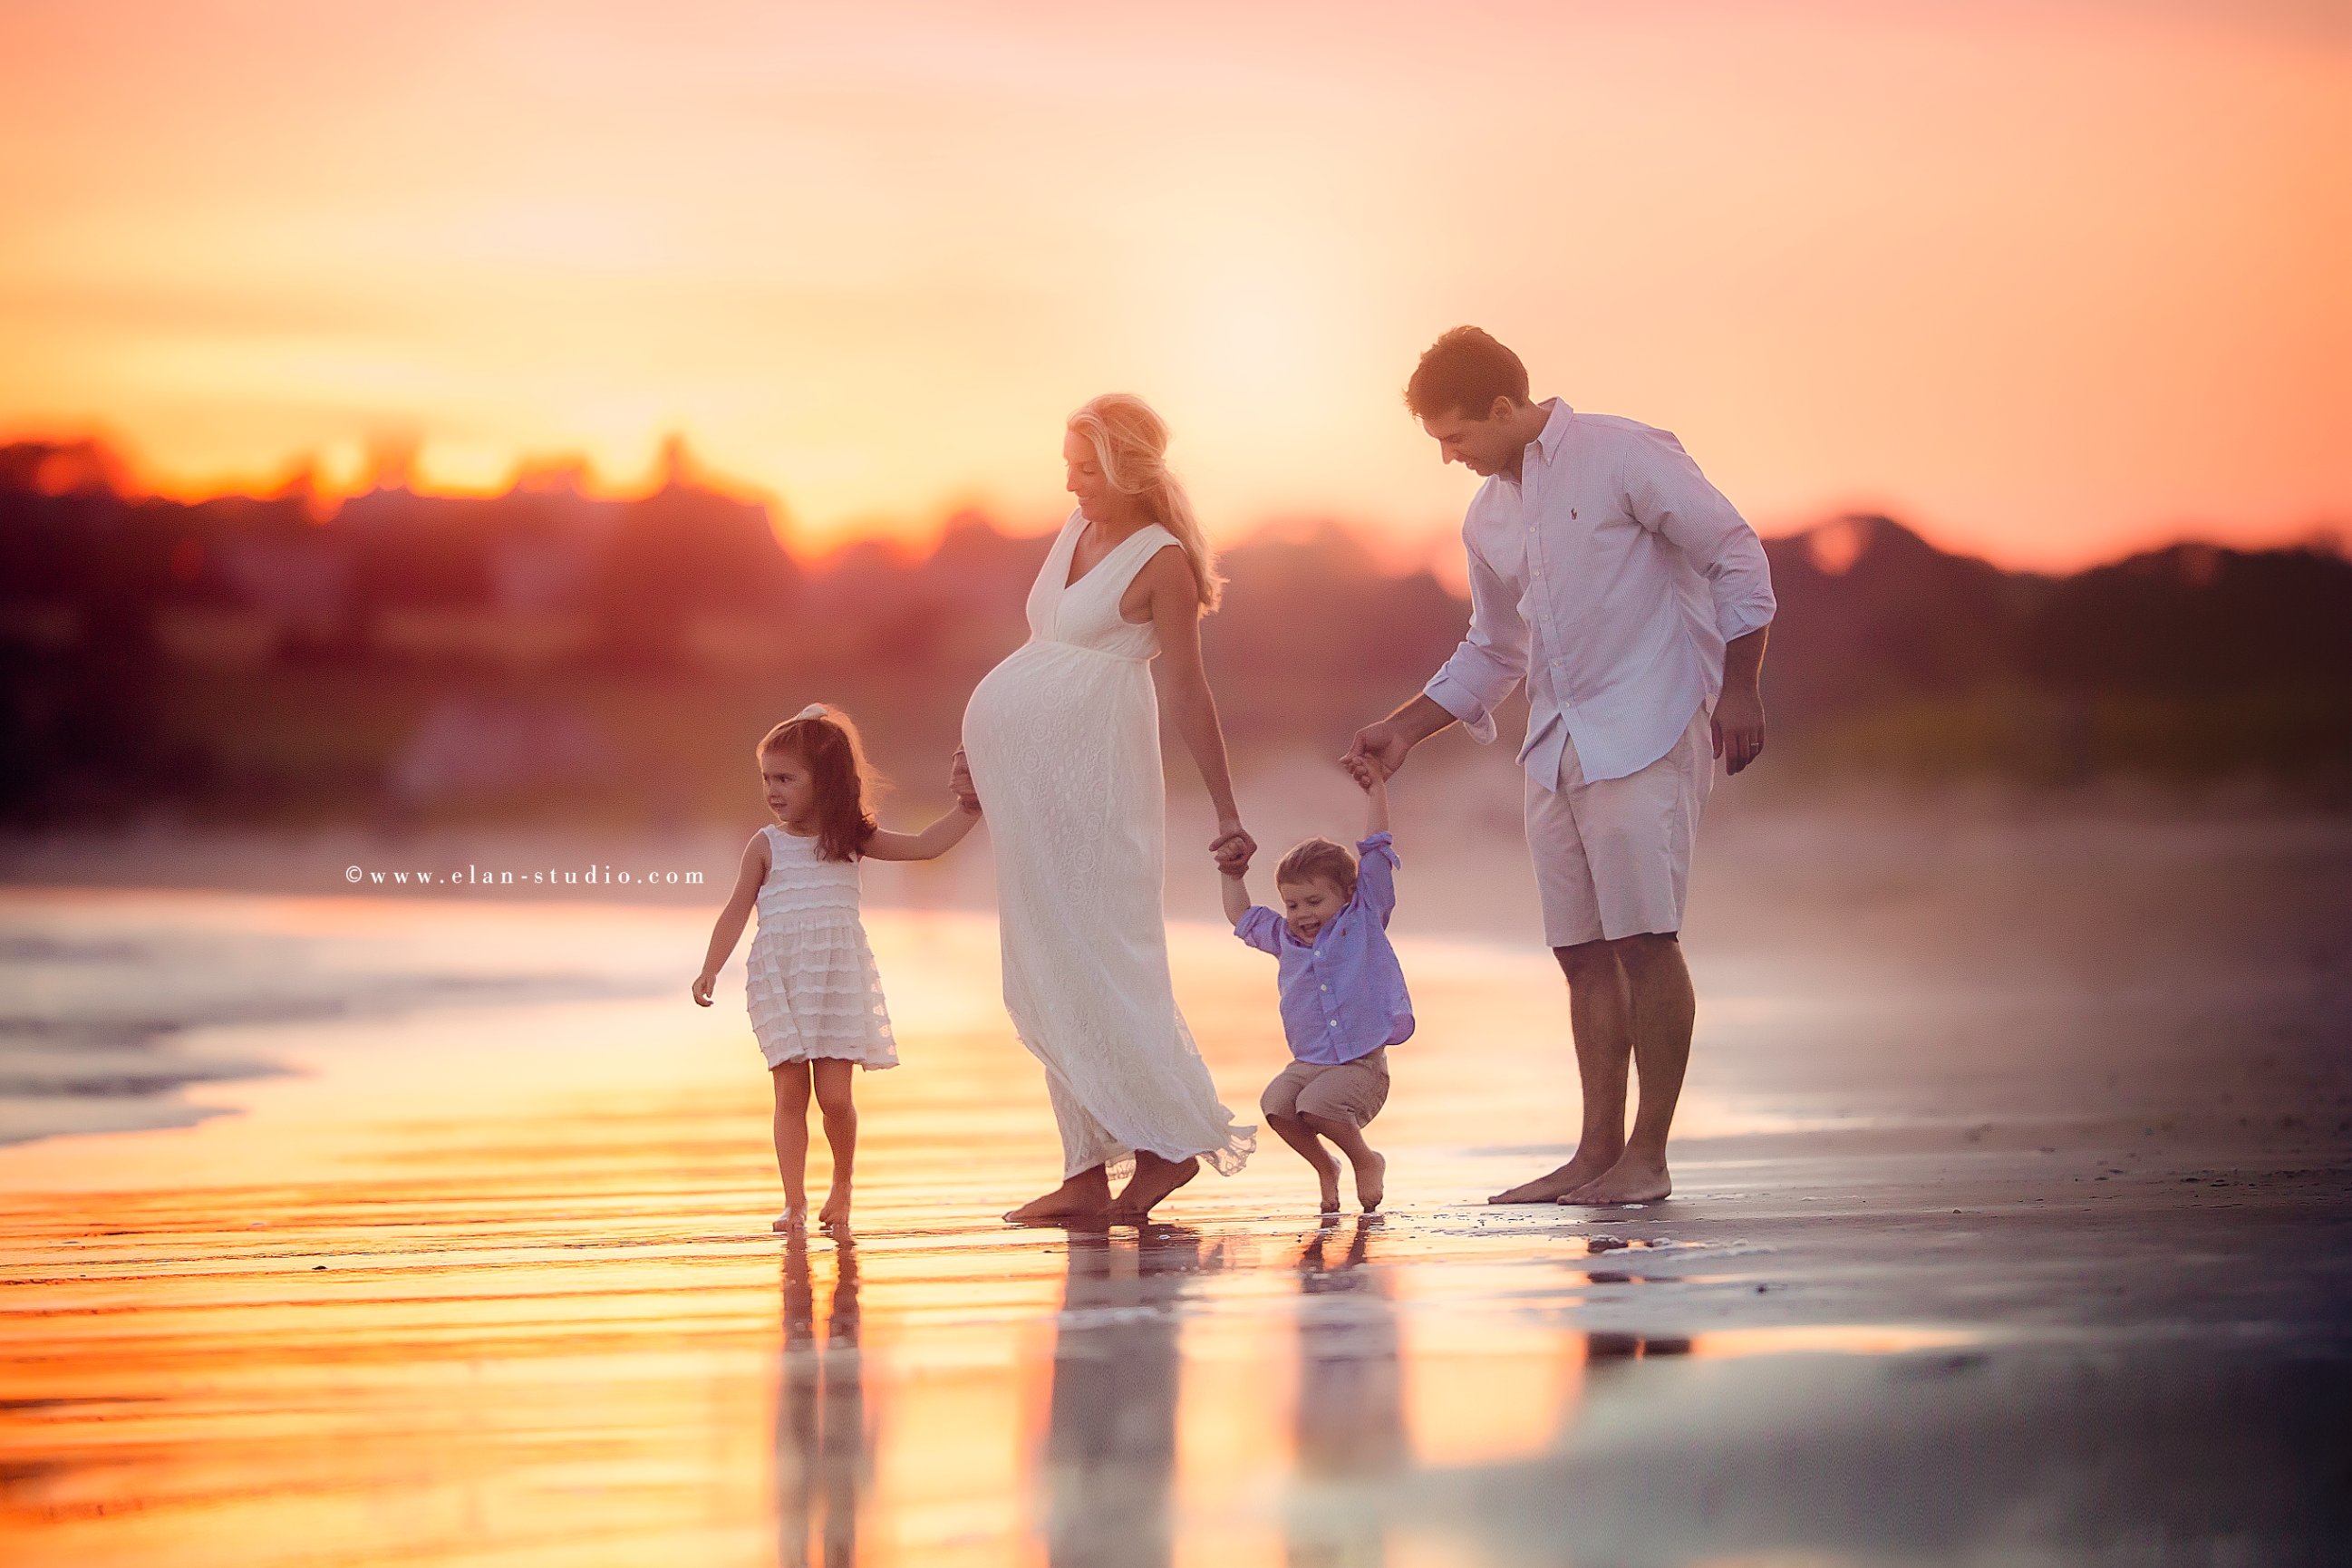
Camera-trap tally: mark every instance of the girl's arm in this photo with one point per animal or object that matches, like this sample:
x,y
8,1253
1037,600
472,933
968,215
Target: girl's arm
x,y
729,928
1176,611
1236,896
930,844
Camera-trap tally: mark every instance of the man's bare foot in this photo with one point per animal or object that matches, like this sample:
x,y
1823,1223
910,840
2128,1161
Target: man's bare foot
x,y
1635,1179
1083,1197
836,1207
790,1219
1154,1179
1371,1173
1550,1189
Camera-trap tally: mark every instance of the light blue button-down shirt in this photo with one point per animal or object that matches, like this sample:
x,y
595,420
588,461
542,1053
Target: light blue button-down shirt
x,y
1608,576
1343,994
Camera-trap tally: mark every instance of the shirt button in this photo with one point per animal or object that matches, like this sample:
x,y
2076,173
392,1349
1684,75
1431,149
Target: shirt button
x,y
1335,1022
1327,988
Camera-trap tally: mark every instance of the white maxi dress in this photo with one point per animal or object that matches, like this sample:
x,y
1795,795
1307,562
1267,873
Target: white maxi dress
x,y
1063,741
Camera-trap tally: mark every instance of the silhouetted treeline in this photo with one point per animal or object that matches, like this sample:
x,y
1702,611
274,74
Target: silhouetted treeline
x,y
410,655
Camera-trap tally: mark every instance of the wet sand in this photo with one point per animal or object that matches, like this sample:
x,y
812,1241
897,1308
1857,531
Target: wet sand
x,y
2012,1226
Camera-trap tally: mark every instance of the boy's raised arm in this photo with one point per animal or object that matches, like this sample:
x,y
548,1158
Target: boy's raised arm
x,y
1235,890
1375,785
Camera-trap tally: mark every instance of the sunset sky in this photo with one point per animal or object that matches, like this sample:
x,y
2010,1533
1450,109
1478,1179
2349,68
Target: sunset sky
x,y
2049,280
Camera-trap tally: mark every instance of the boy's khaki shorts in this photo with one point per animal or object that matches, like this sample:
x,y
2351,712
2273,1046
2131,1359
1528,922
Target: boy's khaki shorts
x,y
1352,1092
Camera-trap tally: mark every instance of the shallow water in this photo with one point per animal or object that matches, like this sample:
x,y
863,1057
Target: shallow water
x,y
482,1275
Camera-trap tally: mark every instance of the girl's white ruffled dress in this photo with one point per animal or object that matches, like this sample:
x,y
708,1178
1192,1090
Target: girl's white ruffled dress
x,y
810,979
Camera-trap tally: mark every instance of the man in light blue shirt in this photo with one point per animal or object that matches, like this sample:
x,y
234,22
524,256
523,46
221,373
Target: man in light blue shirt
x,y
1634,600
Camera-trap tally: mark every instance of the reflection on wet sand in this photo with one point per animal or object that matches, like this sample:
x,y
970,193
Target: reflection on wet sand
x,y
1110,1448
824,1451
1349,1427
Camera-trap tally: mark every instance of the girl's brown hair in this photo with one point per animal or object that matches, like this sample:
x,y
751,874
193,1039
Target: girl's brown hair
x,y
1318,859
824,738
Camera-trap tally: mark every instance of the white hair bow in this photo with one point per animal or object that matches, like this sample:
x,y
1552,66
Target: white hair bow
x,y
813,711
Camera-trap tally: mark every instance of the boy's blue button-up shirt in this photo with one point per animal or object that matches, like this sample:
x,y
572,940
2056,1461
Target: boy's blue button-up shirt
x,y
1343,994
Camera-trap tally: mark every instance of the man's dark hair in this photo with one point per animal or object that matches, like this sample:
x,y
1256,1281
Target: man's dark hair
x,y
1463,372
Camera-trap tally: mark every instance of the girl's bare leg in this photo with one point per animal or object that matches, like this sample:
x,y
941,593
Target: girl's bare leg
x,y
1301,1137
840,1113
792,1083
1371,1169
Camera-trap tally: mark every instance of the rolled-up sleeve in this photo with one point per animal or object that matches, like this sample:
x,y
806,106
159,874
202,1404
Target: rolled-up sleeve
x,y
1262,928
1376,865
1492,659
1665,492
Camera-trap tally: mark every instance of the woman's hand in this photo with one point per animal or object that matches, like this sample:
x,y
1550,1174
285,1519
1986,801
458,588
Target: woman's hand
x,y
1233,845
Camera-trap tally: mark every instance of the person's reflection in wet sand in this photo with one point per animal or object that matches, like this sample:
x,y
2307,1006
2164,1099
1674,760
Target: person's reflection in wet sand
x,y
1350,1423
820,1439
1110,1449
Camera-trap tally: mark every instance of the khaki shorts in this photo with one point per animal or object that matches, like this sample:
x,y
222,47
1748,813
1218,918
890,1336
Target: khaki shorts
x,y
1613,859
1352,1092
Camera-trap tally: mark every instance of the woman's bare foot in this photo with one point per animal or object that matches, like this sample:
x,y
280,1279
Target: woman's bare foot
x,y
1635,1179
790,1219
836,1207
1371,1175
1154,1179
1557,1184
1084,1196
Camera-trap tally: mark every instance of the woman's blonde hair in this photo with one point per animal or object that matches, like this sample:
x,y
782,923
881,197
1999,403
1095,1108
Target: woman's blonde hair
x,y
1130,441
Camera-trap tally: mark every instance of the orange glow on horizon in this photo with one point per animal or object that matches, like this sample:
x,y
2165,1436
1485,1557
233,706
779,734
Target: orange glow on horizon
x,y
2048,283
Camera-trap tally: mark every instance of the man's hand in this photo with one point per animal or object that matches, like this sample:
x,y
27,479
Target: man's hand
x,y
960,781
1738,728
1381,747
1233,845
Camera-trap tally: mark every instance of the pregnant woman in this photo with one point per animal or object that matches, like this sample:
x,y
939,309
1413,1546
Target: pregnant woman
x,y
1062,741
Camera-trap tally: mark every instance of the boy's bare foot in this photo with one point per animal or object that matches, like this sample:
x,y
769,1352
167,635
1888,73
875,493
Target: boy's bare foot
x,y
1084,1196
1328,1175
1557,1184
790,1219
1371,1173
836,1207
1635,1179
1154,1179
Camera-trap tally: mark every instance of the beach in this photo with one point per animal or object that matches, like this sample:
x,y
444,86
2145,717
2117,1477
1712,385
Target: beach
x,y
2011,1226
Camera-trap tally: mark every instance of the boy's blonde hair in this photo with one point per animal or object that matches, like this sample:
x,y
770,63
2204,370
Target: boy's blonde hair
x,y
1318,859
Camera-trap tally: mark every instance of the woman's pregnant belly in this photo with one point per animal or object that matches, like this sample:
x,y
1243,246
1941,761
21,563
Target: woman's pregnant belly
x,y
1054,695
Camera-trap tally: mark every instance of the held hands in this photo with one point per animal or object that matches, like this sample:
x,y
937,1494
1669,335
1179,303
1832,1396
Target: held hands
x,y
1381,746
702,984
960,781
1737,729
1367,773
1233,845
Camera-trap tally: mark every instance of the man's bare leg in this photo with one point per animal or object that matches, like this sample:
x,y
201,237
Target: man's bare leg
x,y
792,1085
1085,1197
1294,1132
1154,1179
1371,1169
1664,1009
1600,1015
840,1113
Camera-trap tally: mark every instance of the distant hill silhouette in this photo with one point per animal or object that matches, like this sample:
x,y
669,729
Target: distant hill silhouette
x,y
273,657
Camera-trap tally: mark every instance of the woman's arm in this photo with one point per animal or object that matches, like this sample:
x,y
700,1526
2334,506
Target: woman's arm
x,y
930,844
729,931
1176,611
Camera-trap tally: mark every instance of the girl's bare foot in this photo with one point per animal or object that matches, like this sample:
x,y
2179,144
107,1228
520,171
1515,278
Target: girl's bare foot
x,y
1154,1179
836,1207
1084,1196
1371,1173
790,1219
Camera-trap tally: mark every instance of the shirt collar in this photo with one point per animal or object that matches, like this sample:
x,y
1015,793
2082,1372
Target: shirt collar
x,y
1555,427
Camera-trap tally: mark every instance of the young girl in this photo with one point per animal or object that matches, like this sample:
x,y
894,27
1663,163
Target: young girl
x,y
816,998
